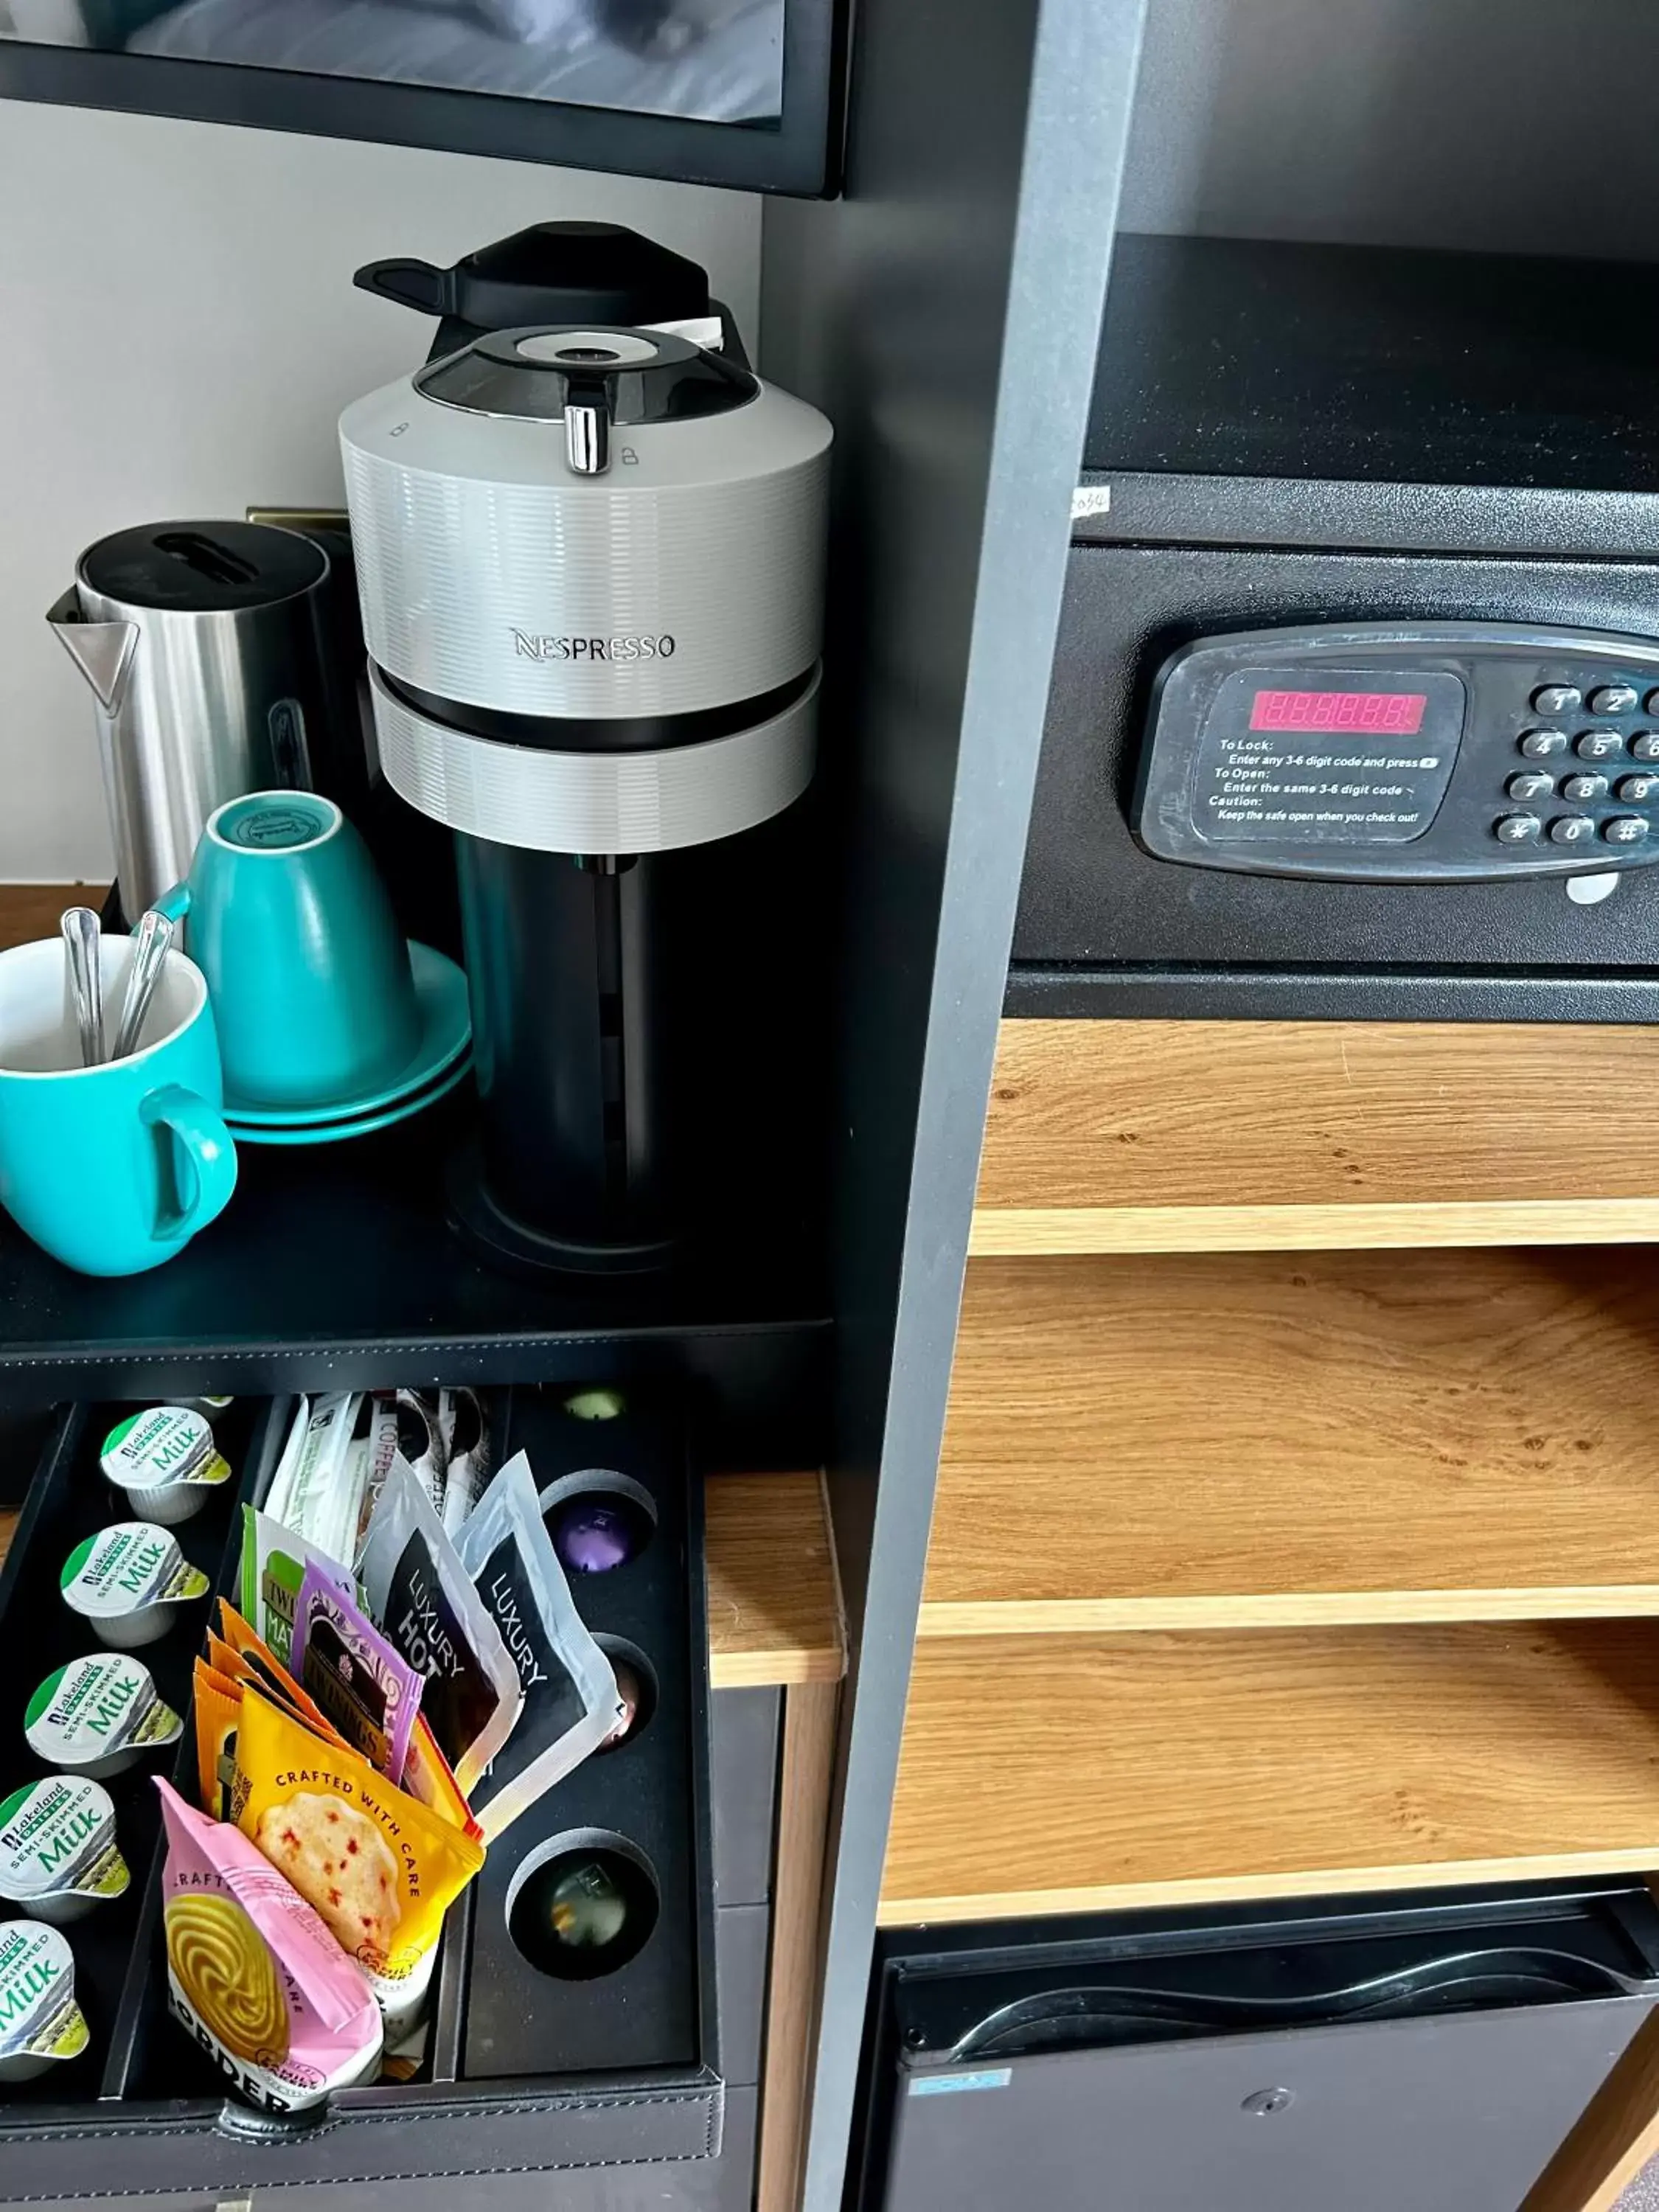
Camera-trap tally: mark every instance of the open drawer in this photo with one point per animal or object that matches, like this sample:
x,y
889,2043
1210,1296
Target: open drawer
x,y
522,2073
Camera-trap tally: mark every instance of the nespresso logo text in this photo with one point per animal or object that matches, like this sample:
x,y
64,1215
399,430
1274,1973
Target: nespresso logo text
x,y
531,646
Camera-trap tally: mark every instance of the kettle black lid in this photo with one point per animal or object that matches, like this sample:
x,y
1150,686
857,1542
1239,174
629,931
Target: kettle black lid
x,y
202,568
553,272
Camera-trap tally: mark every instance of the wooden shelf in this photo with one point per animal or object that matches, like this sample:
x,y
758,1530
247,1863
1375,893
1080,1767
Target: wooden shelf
x,y
774,1612
1124,1136
1083,1774
1213,1440
774,1601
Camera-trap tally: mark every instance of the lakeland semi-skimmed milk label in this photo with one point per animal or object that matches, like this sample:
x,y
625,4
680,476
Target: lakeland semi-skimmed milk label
x,y
100,1708
126,1568
57,1837
39,2020
167,1445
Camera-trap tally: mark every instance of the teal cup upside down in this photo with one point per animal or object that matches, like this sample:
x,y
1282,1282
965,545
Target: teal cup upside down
x,y
307,970
113,1169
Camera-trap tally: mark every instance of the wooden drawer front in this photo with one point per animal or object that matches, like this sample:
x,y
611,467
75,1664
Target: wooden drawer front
x,y
1158,1136
1046,1774
1219,1439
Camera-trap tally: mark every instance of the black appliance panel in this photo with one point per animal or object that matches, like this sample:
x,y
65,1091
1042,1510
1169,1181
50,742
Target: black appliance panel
x,y
1093,896
1371,2053
1411,753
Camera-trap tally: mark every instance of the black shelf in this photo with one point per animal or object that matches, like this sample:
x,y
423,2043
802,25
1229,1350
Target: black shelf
x,y
1224,356
335,1267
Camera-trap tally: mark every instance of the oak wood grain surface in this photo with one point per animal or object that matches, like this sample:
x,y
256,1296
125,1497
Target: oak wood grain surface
x,y
1074,1773
775,1611
32,910
1106,1135
1210,1440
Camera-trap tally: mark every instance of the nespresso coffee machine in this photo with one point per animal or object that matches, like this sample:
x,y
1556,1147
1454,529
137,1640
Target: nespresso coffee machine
x,y
590,558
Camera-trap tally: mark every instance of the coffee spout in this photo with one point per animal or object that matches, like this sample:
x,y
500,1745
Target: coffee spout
x,y
102,651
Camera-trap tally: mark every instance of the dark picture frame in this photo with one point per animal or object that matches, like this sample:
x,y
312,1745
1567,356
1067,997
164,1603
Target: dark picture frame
x,y
798,153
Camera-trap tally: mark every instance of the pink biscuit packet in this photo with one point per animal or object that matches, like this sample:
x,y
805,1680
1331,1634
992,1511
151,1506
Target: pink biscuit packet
x,y
252,1973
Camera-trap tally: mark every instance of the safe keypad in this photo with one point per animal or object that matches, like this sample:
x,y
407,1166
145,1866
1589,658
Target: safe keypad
x,y
1565,805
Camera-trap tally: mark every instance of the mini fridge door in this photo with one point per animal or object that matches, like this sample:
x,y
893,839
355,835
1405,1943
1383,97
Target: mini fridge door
x,y
1455,2114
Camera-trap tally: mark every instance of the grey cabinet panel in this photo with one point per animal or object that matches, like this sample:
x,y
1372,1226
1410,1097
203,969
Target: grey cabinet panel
x,y
741,1948
744,1757
726,2183
1417,2115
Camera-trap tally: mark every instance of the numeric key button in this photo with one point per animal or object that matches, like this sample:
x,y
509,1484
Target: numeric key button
x,y
1571,829
1635,790
1532,783
1644,745
1544,744
1582,789
1554,699
1599,744
1518,828
1615,699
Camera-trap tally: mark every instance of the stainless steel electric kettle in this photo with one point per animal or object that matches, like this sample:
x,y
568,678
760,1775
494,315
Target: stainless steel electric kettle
x,y
204,644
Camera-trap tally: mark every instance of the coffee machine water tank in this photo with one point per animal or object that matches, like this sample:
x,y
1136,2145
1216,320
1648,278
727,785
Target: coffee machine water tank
x,y
591,564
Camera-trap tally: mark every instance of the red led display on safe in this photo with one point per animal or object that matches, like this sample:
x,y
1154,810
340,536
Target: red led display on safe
x,y
1386,713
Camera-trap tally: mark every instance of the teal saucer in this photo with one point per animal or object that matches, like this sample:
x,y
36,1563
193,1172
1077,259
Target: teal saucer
x,y
445,1033
336,1131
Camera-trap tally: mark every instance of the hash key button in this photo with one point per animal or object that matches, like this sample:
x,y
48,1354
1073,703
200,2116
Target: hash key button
x,y
1624,829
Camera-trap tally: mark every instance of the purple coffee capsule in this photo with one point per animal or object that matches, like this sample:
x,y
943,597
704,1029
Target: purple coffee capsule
x,y
591,1537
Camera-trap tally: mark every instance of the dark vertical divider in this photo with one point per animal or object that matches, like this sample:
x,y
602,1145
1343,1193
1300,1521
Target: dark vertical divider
x,y
944,314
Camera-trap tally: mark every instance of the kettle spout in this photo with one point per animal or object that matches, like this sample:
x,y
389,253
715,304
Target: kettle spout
x,y
102,651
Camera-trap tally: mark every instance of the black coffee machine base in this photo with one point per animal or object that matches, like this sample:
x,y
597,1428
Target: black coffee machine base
x,y
528,1250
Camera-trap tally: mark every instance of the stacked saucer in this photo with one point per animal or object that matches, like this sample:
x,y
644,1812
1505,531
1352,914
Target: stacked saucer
x,y
440,1061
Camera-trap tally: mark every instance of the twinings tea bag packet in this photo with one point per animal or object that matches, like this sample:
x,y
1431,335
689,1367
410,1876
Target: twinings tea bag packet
x,y
253,1974
98,1715
417,1590
167,1462
237,1651
58,1851
40,2023
370,1693
273,1562
569,1688
380,1869
129,1578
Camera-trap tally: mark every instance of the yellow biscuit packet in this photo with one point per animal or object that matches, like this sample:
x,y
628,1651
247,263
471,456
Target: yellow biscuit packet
x,y
380,1869
220,1680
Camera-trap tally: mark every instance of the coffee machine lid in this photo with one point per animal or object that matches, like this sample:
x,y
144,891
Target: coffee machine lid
x,y
202,568
537,375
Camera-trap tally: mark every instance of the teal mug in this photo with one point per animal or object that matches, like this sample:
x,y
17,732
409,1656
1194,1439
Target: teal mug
x,y
111,1169
307,970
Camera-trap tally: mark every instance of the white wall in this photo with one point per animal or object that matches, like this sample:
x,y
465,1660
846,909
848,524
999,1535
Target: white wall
x,y
181,331
1512,125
